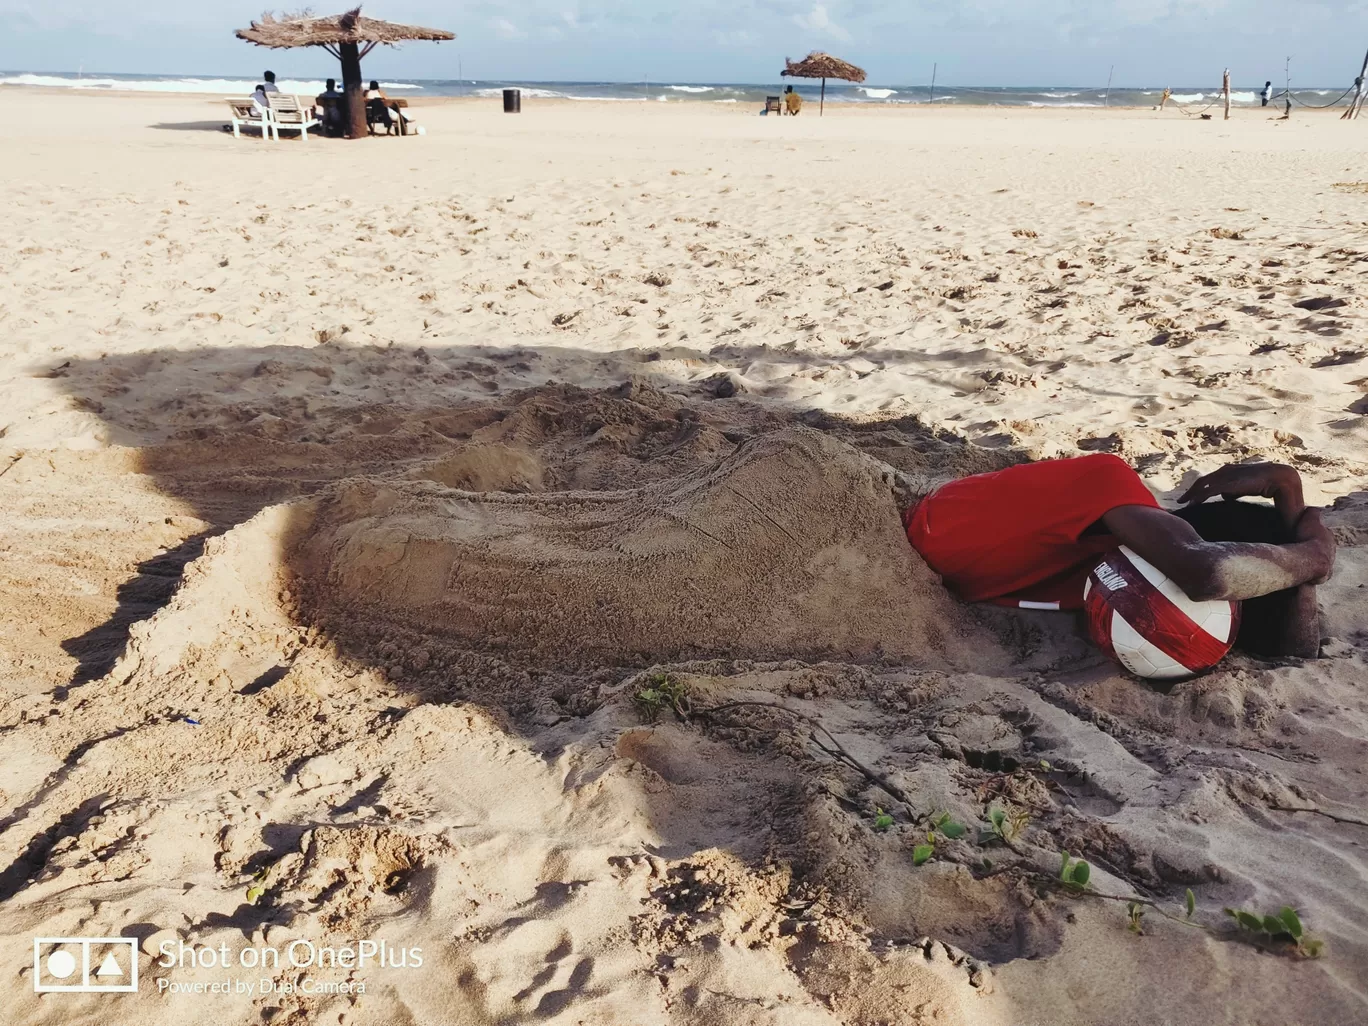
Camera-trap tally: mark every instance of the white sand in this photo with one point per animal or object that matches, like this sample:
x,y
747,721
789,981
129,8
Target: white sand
x,y
200,332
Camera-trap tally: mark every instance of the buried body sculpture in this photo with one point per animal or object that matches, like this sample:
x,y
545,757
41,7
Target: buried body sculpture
x,y
764,551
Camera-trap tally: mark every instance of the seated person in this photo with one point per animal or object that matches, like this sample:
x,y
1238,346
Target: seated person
x,y
1027,536
793,103
377,107
259,99
328,104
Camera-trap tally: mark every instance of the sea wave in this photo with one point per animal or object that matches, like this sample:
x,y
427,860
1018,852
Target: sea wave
x,y
235,86
877,94
692,89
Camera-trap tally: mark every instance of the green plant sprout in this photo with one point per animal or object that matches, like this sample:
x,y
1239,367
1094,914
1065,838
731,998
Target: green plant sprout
x,y
1006,824
258,887
1074,873
1190,902
882,820
949,828
1134,912
1283,928
662,691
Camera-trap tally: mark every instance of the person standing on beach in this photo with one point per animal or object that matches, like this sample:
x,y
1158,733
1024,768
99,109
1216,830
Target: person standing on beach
x,y
793,103
1267,93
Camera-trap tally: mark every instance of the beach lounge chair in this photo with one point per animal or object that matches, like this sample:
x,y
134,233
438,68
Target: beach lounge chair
x,y
246,114
287,113
772,105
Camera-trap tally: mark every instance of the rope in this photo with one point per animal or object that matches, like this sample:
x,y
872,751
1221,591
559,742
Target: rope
x,y
1317,106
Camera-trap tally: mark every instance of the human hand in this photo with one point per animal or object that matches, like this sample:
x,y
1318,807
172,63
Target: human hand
x,y
1263,479
1311,529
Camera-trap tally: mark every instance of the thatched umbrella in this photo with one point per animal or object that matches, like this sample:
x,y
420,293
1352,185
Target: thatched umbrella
x,y
823,66
348,37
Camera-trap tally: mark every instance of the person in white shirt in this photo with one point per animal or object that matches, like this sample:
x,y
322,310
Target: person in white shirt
x,y
1267,93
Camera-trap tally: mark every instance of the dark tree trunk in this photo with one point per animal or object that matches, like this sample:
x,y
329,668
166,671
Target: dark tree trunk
x,y
354,109
821,107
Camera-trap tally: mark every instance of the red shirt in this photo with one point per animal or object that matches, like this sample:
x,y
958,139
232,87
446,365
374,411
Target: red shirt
x,y
1021,536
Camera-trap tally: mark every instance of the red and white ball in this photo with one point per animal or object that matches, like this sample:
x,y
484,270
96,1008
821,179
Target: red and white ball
x,y
1146,623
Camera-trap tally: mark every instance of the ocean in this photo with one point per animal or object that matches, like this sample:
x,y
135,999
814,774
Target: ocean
x,y
691,92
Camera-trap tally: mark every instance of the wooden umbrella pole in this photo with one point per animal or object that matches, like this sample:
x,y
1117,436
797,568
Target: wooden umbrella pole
x,y
821,105
351,89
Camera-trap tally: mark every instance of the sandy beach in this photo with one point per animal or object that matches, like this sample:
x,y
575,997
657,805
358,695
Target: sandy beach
x,y
353,493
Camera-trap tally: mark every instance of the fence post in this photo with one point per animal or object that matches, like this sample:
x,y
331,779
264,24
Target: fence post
x,y
1225,89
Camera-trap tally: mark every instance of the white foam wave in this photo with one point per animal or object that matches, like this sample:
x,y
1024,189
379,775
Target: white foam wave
x,y
730,99
536,94
225,86
877,94
691,89
1188,97
1059,96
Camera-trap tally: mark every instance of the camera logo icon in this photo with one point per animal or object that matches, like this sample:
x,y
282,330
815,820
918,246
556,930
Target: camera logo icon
x,y
85,965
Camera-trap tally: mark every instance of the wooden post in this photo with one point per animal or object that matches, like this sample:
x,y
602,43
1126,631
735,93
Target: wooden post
x,y
1356,102
354,107
933,83
1225,89
821,105
1106,101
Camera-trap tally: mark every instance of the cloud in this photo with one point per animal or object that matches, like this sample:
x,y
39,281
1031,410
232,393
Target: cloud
x,y
505,29
818,21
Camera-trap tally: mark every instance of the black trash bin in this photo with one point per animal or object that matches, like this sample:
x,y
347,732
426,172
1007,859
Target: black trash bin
x,y
512,101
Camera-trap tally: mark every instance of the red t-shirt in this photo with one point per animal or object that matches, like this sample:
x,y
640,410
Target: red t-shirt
x,y
1020,536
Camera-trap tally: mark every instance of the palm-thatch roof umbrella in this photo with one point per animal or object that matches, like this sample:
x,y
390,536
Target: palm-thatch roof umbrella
x,y
823,66
348,37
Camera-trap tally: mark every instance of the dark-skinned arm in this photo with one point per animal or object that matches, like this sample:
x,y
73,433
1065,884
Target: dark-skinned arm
x,y
1286,622
1225,570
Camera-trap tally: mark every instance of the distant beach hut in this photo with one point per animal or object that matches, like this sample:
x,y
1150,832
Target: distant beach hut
x,y
348,37
823,66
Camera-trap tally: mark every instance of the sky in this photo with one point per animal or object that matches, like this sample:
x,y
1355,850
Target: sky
x,y
974,42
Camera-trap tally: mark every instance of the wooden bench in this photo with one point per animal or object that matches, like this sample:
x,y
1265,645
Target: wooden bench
x,y
247,114
287,113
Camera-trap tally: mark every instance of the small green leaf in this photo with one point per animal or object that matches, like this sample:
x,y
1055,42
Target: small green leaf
x,y
1080,874
921,853
987,863
882,821
1045,765
952,829
941,820
998,817
1311,947
1291,924
253,893
1064,865
1273,926
1191,902
1249,920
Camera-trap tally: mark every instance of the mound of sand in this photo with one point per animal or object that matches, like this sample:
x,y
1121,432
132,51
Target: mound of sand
x,y
790,547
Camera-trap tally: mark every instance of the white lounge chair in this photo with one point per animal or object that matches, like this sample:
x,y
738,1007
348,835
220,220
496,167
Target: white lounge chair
x,y
247,114
287,113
